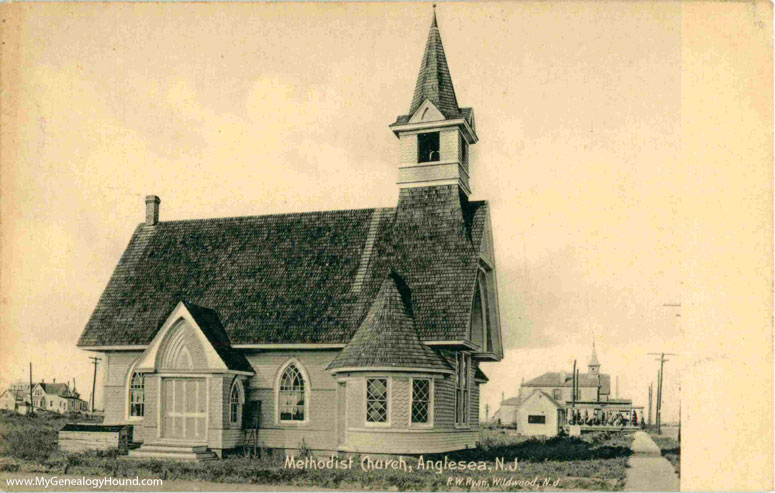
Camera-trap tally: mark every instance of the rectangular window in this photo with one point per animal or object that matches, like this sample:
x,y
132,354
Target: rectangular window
x,y
463,387
535,419
421,401
428,147
376,400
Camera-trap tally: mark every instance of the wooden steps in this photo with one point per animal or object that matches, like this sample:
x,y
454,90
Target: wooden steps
x,y
169,451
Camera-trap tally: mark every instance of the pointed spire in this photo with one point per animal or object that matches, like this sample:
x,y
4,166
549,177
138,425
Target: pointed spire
x,y
434,81
593,360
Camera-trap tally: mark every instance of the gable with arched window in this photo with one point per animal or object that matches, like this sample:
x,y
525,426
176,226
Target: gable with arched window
x,y
292,388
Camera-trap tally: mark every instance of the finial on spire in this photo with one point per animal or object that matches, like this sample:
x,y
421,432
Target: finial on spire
x,y
434,24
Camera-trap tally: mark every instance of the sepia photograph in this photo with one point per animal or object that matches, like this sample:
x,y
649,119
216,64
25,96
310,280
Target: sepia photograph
x,y
388,246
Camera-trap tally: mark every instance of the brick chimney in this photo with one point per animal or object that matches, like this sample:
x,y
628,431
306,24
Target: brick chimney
x,y
152,210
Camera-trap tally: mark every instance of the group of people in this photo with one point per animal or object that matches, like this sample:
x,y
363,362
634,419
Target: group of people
x,y
602,418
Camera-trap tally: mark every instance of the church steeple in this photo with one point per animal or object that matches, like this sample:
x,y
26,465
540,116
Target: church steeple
x,y
435,134
594,364
434,83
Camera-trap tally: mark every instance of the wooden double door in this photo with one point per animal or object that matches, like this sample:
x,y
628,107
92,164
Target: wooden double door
x,y
184,408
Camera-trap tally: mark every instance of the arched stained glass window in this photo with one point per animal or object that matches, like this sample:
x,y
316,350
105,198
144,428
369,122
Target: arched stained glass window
x,y
292,395
137,395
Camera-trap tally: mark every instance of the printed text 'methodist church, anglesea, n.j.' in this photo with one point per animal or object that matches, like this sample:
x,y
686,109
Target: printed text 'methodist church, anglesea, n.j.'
x,y
356,330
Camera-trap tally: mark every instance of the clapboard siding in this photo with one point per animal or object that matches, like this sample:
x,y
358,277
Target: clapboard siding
x,y
389,441
267,364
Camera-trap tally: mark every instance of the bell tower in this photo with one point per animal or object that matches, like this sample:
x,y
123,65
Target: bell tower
x,y
435,135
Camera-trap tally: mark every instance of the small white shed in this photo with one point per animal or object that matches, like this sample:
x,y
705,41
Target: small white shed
x,y
539,414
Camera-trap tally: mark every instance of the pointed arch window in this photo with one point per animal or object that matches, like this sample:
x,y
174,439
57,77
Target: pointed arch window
x,y
137,395
235,403
292,395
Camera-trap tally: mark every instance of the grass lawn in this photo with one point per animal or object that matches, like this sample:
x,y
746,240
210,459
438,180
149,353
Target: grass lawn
x,y
670,447
593,462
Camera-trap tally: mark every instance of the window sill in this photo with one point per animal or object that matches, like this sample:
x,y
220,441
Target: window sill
x,y
420,426
368,424
292,424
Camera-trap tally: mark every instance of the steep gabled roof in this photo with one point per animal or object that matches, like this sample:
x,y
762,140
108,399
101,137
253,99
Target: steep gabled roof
x,y
544,394
208,321
60,389
291,278
387,337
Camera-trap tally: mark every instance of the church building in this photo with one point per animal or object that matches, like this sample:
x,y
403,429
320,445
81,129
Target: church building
x,y
341,331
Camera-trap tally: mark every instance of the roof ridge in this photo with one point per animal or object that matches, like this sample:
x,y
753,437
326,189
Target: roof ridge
x,y
258,216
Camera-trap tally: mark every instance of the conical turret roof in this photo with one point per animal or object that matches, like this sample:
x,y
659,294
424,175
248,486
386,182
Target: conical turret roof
x,y
387,337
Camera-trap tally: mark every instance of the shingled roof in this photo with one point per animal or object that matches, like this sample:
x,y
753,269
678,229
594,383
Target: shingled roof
x,y
434,81
60,389
387,336
298,278
210,323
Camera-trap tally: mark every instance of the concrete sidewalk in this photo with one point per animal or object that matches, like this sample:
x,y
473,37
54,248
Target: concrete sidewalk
x,y
647,470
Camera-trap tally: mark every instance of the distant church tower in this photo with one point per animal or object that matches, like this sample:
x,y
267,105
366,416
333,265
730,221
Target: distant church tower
x,y
594,364
435,134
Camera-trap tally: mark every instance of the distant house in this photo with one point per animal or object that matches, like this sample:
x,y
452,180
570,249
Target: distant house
x,y
547,403
592,386
57,397
352,331
506,415
14,400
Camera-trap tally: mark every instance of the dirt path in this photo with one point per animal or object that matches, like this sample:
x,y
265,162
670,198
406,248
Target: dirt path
x,y
647,470
169,485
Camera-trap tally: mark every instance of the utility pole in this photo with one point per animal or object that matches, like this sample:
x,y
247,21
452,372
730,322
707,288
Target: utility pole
x,y
651,388
31,410
573,391
662,361
95,360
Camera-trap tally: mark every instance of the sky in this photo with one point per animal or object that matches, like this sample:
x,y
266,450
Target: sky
x,y
250,109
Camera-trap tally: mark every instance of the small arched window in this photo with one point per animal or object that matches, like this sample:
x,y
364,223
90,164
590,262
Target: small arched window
x,y
137,395
235,403
292,398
